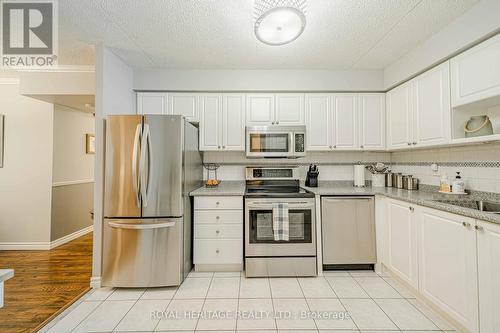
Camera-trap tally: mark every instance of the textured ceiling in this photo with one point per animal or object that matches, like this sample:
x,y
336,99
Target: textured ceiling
x,y
218,34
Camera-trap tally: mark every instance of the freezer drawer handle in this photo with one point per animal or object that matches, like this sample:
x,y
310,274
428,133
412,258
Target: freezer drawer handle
x,y
141,226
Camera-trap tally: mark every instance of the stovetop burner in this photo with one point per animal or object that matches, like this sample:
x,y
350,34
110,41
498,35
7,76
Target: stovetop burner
x,y
276,189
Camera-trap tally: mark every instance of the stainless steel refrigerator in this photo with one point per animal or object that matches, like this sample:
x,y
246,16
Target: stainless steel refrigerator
x,y
152,163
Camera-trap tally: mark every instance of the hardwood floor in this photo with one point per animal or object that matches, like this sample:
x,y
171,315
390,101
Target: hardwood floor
x,y
44,282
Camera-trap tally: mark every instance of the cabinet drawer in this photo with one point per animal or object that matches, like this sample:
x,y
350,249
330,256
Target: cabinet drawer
x,y
235,202
216,251
214,231
218,217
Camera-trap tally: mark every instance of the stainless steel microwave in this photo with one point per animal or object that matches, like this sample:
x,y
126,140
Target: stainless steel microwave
x,y
275,141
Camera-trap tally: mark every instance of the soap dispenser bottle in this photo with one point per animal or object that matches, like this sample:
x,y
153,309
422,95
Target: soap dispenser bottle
x,y
458,184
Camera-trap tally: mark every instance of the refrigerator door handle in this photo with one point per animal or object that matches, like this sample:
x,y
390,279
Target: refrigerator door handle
x,y
146,179
135,153
140,226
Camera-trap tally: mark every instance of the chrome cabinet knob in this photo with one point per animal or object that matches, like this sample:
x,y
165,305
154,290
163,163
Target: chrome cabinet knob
x,y
409,143
412,209
217,232
223,147
217,217
478,228
217,251
466,224
361,146
277,123
414,143
335,147
273,123
218,147
217,203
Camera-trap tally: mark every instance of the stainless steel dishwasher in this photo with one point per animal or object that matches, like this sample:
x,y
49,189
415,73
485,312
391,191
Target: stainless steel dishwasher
x,y
348,232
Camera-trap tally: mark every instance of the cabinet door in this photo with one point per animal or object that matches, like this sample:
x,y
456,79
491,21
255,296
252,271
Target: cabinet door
x,y
371,109
318,122
475,73
431,107
488,247
402,240
184,104
289,109
233,122
260,109
151,103
448,264
381,231
211,122
398,102
345,122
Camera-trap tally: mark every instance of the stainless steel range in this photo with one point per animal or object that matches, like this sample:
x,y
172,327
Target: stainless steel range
x,y
264,255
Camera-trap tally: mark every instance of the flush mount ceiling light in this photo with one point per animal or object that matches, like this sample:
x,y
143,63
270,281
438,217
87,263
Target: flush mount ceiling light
x,y
279,22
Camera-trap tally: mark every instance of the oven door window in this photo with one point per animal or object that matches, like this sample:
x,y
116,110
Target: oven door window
x,y
269,143
261,226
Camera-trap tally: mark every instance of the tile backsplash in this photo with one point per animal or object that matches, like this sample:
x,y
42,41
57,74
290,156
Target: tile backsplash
x,y
479,165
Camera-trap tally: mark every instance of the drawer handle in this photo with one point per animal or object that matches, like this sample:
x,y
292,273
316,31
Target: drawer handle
x,y
217,251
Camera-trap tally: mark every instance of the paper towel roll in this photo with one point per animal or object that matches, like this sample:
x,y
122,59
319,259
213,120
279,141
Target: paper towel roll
x,y
359,175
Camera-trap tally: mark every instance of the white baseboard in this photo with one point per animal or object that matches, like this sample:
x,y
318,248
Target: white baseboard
x,y
40,246
29,246
95,282
70,237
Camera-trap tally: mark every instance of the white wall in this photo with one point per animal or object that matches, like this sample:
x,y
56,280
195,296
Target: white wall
x,y
479,22
114,95
71,163
232,80
26,178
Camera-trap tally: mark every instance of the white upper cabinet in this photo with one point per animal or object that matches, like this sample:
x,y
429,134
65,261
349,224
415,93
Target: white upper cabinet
x,y
475,73
275,109
211,122
488,254
448,264
151,103
402,241
184,104
399,114
222,122
233,122
371,112
431,107
260,109
345,122
289,109
319,122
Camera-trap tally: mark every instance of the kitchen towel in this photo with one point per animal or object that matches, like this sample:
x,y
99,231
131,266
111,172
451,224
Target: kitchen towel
x,y
280,221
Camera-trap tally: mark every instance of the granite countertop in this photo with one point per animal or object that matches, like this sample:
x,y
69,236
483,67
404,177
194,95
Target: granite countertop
x,y
6,274
422,198
226,187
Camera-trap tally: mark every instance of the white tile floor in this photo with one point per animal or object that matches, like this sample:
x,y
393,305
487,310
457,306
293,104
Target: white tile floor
x,y
338,302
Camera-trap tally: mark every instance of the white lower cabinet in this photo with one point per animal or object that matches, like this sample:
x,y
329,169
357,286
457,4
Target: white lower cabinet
x,y
402,241
381,231
448,264
218,233
488,254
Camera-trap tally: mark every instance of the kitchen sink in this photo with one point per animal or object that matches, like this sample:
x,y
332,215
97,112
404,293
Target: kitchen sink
x,y
481,205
